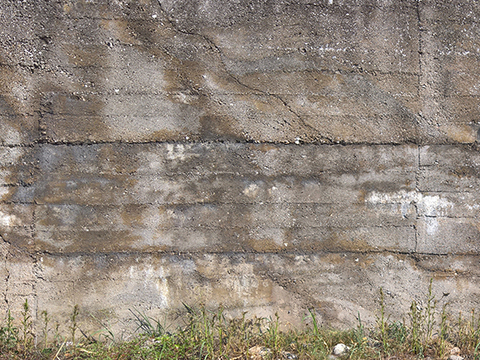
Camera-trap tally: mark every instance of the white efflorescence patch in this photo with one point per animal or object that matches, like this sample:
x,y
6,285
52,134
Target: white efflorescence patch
x,y
9,135
472,207
251,190
432,225
4,191
7,220
399,197
175,152
434,205
179,152
152,278
429,206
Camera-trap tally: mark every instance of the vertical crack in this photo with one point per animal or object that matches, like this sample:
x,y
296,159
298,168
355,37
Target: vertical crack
x,y
417,190
419,94
7,276
34,257
420,48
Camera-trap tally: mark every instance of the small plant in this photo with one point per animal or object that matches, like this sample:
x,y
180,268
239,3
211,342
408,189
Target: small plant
x,y
147,325
397,333
429,315
105,333
476,352
416,321
360,339
8,333
318,344
46,321
74,325
27,324
444,330
315,326
58,339
273,337
207,336
382,323
223,332
468,333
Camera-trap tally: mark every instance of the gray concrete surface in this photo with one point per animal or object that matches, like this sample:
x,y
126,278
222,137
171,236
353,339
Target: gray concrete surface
x,y
264,155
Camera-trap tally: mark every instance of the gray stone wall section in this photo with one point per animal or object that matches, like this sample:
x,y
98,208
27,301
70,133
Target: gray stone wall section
x,y
264,155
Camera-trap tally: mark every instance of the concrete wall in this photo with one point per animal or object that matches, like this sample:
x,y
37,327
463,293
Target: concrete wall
x,y
264,155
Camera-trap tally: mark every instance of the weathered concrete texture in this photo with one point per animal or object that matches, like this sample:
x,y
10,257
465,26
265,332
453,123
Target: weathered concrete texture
x,y
449,87
450,174
212,197
276,71
264,154
338,286
137,224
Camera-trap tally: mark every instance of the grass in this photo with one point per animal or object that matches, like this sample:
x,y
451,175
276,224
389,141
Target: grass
x,y
424,332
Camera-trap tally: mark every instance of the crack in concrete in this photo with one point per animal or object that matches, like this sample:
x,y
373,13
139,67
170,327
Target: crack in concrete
x,y
420,48
217,49
233,253
219,141
353,71
417,259
415,204
7,276
323,139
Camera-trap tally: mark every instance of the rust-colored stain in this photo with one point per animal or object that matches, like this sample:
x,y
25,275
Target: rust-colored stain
x,y
133,216
264,147
83,56
263,245
464,171
460,133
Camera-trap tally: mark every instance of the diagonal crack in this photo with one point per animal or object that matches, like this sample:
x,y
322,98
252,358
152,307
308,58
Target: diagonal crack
x,y
216,48
323,138
175,27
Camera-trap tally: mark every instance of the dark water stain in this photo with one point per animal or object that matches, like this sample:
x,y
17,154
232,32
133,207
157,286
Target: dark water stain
x,y
465,172
218,128
185,60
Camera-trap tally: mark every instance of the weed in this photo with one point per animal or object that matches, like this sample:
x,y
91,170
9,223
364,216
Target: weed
x,y
58,339
476,352
222,331
105,334
360,339
318,344
46,321
382,323
273,338
8,333
416,321
27,335
205,334
468,332
444,330
147,325
429,314
74,325
206,337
